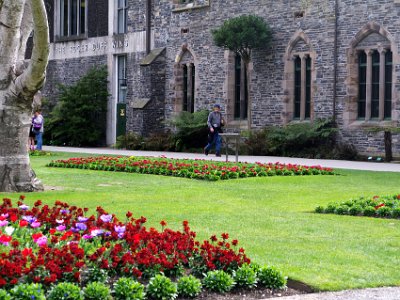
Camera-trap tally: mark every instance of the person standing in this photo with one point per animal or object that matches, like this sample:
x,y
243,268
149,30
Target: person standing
x,y
37,124
32,135
215,122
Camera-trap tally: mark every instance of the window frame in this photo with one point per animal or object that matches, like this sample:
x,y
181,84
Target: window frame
x,y
64,29
124,10
121,83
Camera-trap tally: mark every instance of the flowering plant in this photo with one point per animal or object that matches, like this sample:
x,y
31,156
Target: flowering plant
x,y
47,244
376,206
196,169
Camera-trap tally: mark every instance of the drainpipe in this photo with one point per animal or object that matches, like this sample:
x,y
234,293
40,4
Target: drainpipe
x,y
335,63
148,27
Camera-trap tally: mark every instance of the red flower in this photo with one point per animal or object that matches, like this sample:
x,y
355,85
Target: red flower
x,y
163,223
398,196
380,205
235,242
22,197
27,251
225,236
23,223
129,214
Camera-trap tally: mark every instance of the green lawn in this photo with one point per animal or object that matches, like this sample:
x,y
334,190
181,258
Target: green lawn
x,y
271,216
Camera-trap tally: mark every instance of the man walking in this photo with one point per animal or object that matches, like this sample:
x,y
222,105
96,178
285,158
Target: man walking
x,y
215,122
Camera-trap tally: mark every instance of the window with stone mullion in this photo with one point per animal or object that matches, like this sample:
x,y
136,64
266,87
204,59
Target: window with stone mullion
x,y
297,87
73,16
121,16
375,85
388,84
362,84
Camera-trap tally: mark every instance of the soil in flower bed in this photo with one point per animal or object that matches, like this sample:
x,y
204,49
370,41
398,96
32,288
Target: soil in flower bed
x,y
253,294
195,169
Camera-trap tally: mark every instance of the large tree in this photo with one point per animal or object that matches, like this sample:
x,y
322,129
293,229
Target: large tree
x,y
241,35
19,82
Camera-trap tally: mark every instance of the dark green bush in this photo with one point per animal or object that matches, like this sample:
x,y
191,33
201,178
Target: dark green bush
x,y
319,209
128,289
342,210
271,278
79,117
355,210
245,277
396,212
369,211
96,291
129,141
161,287
330,209
383,211
65,291
189,286
218,281
191,130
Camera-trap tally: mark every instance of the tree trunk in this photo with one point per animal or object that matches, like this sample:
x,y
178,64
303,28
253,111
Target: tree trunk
x,y
19,81
388,146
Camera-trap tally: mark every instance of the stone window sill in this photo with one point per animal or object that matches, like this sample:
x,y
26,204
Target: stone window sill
x,y
190,6
62,39
372,124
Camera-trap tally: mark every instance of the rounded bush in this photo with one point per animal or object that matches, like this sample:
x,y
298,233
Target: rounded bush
x,y
218,281
245,277
189,286
355,210
65,291
342,210
319,209
383,211
396,212
369,211
25,291
4,295
271,278
96,291
127,288
330,209
161,287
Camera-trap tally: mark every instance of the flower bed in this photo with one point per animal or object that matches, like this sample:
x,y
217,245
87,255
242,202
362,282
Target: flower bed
x,y
376,206
48,244
196,169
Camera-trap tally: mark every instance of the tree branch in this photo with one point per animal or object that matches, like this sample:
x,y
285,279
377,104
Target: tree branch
x,y
33,78
10,18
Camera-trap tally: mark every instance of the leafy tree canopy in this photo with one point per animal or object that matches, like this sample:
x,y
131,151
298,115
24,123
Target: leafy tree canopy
x,y
242,34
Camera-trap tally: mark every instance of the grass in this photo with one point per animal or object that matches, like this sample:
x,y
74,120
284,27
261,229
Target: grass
x,y
272,217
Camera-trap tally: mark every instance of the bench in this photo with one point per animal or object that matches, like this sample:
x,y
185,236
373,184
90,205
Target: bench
x,y
227,137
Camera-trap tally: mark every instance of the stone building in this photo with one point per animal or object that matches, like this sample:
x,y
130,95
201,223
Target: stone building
x,y
327,58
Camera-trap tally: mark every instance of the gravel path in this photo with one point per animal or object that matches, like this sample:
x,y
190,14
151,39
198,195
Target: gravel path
x,y
388,293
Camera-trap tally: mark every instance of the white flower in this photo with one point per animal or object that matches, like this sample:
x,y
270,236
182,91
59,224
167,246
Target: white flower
x,y
9,230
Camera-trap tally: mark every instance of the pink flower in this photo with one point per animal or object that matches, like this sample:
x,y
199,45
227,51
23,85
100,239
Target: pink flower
x,y
42,241
3,223
35,224
61,227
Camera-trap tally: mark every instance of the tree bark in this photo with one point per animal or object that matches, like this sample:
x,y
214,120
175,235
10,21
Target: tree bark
x,y
19,82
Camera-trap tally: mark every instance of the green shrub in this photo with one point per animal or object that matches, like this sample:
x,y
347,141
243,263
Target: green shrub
x,y
97,291
128,289
330,209
319,209
191,130
369,211
189,286
79,117
342,210
28,291
218,281
271,278
396,212
383,211
65,291
245,277
94,274
161,287
355,210
129,141
4,295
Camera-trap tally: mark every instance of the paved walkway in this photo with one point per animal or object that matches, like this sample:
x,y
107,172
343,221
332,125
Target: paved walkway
x,y
389,293
336,164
